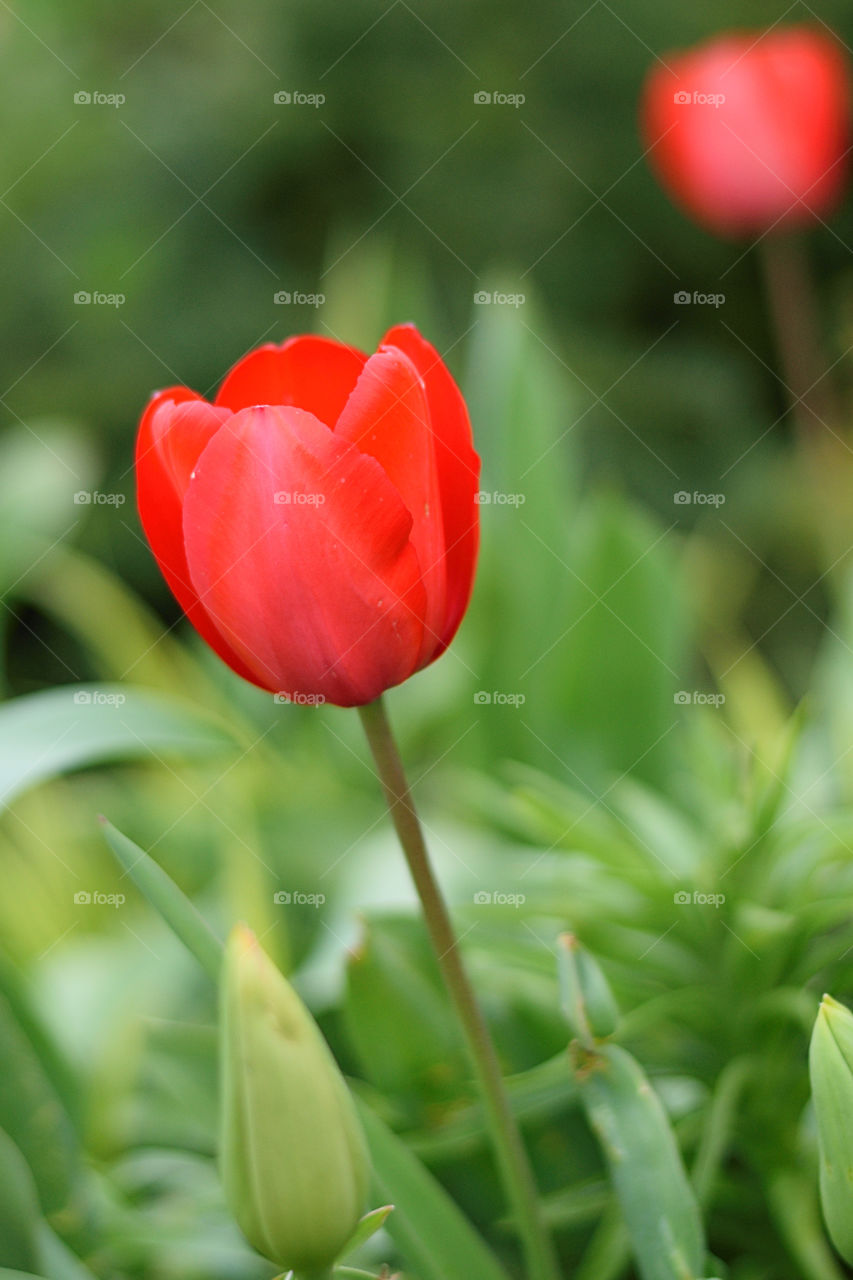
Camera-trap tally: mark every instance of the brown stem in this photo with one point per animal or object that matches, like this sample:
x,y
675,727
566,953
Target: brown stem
x,y
794,310
512,1158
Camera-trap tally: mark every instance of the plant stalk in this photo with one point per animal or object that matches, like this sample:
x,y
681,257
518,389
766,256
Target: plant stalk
x,y
513,1163
795,314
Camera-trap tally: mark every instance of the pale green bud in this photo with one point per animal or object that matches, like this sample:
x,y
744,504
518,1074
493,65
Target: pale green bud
x,y
293,1157
831,1072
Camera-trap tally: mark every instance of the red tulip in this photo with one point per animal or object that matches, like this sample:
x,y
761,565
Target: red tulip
x,y
751,130
318,521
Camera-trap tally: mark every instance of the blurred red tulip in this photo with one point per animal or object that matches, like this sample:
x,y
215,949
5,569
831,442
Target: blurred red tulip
x,y
318,522
751,129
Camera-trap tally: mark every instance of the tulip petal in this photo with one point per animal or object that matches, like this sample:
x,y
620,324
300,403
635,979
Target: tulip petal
x,y
320,593
315,374
387,417
175,427
458,469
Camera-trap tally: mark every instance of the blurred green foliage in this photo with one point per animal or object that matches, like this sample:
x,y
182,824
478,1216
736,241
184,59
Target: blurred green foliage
x,y
199,198
587,788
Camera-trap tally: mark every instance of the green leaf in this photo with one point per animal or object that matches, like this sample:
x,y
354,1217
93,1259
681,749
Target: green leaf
x,y
58,1260
608,1253
620,664
585,995
37,465
645,1165
32,1115
173,905
14,987
19,1208
582,1204
792,1197
394,998
541,1092
367,1227
523,406
719,1126
43,735
435,1238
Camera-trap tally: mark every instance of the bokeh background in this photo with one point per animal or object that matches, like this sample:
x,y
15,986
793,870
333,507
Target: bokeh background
x,y
199,198
566,749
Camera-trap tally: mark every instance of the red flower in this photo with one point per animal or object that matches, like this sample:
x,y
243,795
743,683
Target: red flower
x,y
751,129
318,521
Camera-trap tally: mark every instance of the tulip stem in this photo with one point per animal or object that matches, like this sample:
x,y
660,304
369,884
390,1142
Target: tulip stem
x,y
793,304
512,1158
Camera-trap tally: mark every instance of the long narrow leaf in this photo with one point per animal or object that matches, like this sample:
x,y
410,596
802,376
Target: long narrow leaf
x,y
173,905
435,1238
46,734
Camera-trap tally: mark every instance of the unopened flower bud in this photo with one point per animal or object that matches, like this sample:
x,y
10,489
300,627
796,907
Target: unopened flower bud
x,y
831,1071
293,1156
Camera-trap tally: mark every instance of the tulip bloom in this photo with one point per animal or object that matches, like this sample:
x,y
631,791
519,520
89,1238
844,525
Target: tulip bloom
x,y
750,130
317,522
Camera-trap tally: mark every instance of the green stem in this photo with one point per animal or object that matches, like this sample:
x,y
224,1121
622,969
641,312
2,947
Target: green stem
x,y
511,1156
793,304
